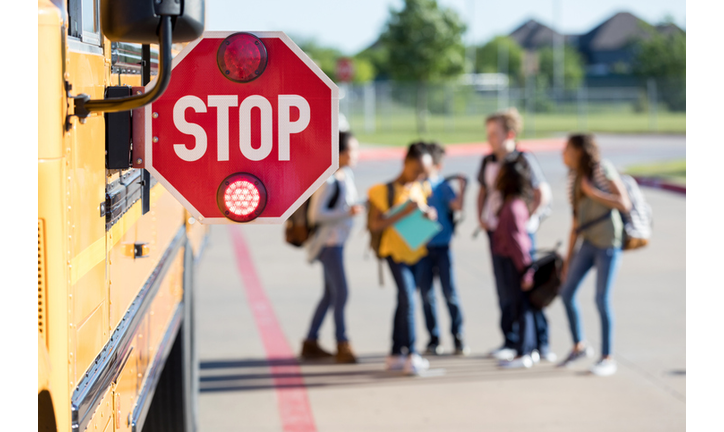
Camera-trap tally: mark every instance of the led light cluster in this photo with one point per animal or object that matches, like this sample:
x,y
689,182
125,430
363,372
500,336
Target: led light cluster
x,y
241,197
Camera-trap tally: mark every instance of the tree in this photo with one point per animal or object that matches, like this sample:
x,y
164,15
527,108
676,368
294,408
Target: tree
x,y
424,44
572,67
324,57
662,57
488,56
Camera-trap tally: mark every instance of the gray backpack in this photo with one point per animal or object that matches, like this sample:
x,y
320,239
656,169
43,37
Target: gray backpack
x,y
638,222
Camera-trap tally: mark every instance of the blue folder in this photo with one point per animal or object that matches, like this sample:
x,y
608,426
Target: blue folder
x,y
415,229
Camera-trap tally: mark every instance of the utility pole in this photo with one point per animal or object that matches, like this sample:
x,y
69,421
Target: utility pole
x,y
558,52
471,35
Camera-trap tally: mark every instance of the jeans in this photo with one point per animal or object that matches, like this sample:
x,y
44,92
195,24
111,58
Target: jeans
x,y
335,293
541,323
520,309
438,261
606,262
505,301
508,325
403,325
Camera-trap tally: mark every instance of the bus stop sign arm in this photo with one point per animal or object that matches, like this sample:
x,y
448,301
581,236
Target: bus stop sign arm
x,y
83,105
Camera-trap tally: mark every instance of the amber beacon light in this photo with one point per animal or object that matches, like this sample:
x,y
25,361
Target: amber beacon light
x,y
242,57
241,197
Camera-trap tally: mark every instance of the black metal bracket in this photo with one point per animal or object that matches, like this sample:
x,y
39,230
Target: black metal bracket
x,y
78,110
83,105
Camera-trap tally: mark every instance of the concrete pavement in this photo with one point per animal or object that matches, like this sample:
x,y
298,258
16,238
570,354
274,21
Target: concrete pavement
x,y
242,389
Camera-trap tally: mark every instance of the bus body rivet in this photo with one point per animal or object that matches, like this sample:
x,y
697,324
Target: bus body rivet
x,y
155,139
155,115
139,161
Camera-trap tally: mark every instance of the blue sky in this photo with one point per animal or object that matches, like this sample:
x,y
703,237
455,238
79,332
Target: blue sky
x,y
353,25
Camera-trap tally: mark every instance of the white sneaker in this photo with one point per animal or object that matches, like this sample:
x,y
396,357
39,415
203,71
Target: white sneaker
x,y
604,367
415,364
524,361
395,362
503,354
550,357
535,356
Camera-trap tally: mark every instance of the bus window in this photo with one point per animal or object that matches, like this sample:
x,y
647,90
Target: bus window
x,y
84,19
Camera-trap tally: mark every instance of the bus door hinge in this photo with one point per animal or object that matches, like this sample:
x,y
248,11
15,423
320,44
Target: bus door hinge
x,y
79,109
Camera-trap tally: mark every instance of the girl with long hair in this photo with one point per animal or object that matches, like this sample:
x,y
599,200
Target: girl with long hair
x,y
597,197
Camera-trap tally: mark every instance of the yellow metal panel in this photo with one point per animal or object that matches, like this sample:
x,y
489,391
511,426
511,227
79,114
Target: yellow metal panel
x,y
51,208
51,101
126,390
102,418
90,339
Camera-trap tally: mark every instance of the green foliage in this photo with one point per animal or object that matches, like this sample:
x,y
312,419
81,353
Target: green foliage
x,y
487,56
424,42
663,58
324,57
572,66
364,70
377,55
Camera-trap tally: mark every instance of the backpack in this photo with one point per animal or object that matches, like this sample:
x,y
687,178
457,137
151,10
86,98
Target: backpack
x,y
298,228
456,217
638,221
376,237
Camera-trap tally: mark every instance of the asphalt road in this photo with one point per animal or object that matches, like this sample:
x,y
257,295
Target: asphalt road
x,y
263,310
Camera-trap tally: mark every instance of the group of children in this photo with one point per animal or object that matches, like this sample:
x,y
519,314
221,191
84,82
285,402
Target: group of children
x,y
513,199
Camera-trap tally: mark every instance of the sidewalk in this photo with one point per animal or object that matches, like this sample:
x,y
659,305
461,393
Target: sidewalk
x,y
253,318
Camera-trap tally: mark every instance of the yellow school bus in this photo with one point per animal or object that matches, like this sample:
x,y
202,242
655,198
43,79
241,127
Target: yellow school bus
x,y
116,252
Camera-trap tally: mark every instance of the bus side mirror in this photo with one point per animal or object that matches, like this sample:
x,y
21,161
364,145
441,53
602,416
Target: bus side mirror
x,y
139,20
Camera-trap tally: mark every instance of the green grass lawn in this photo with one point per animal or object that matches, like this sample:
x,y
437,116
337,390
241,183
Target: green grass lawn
x,y
674,171
399,127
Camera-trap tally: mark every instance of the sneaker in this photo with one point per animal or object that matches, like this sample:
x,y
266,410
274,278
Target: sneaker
x,y
544,354
434,348
524,361
395,362
312,351
604,367
414,364
344,353
460,347
503,354
549,356
586,352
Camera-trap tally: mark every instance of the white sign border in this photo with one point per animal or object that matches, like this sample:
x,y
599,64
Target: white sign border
x,y
310,190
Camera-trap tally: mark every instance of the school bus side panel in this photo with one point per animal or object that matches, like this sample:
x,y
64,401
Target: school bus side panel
x,y
52,202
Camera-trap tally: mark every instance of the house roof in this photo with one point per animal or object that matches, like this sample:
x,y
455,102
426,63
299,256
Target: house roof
x,y
532,35
614,33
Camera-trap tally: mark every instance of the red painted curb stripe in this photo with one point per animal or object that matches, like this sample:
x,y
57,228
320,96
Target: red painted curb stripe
x,y
472,149
660,184
293,402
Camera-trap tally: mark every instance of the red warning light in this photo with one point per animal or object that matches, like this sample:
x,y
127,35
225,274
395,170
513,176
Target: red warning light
x,y
242,57
241,197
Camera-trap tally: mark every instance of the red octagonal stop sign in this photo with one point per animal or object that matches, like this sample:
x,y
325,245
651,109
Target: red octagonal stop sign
x,y
233,111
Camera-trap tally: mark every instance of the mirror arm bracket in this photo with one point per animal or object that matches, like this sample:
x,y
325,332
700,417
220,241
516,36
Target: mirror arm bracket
x,y
84,105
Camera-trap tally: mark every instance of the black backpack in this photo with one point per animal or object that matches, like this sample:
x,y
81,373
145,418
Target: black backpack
x,y
297,228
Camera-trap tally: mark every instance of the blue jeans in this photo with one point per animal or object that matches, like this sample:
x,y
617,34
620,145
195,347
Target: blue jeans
x,y
438,261
606,262
335,293
403,325
508,325
520,309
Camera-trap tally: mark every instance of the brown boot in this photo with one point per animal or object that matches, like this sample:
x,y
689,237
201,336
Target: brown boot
x,y
312,351
344,353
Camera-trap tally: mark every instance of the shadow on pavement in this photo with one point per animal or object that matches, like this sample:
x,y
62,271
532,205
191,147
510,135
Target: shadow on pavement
x,y
261,374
